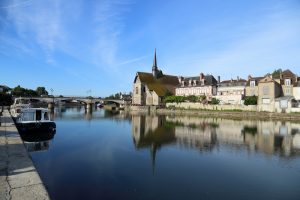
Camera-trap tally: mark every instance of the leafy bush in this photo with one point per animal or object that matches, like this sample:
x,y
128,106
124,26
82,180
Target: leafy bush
x,y
252,100
192,98
215,101
202,98
5,99
174,99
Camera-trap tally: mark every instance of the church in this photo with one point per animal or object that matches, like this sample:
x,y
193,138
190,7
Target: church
x,y
150,88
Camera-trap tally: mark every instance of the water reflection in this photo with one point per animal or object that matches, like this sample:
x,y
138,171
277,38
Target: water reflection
x,y
110,155
205,134
82,113
37,141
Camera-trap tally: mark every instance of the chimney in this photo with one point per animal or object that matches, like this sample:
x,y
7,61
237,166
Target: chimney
x,y
201,76
280,76
237,78
180,78
219,79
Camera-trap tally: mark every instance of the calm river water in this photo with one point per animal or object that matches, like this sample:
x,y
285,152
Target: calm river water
x,y
101,155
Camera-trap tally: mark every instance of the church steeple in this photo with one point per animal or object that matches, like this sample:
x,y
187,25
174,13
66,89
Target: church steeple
x,y
154,67
154,60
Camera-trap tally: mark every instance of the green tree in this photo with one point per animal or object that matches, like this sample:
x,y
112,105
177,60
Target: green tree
x,y
215,101
250,100
5,99
276,73
192,98
20,91
41,91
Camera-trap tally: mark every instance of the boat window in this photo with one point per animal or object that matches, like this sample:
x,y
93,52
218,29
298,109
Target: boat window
x,y
46,116
38,115
28,116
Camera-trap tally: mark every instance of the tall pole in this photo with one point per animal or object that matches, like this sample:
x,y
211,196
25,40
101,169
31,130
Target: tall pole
x,y
52,95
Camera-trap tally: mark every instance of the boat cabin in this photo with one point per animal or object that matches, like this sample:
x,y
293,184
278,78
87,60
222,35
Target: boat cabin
x,y
34,114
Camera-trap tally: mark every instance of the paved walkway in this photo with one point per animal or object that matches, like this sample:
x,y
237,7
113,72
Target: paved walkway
x,y
18,176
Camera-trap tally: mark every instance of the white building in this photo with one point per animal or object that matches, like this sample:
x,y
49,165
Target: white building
x,y
231,91
203,85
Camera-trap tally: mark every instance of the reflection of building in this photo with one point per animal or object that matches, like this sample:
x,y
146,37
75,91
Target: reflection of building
x,y
207,134
267,137
151,132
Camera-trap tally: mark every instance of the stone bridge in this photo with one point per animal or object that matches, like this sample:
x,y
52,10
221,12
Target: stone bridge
x,y
83,100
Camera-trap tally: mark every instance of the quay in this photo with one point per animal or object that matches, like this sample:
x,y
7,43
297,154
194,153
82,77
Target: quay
x,y
19,178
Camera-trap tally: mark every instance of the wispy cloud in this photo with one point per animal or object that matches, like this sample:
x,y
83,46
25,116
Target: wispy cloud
x,y
109,22
49,25
38,22
133,60
258,47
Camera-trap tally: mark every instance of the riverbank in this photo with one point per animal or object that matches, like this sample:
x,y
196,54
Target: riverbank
x,y
232,114
19,178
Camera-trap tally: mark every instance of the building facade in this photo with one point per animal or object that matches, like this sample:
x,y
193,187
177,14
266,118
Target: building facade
x,y
203,85
252,86
151,88
268,91
231,91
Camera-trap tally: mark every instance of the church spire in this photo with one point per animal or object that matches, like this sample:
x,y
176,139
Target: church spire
x,y
154,60
154,67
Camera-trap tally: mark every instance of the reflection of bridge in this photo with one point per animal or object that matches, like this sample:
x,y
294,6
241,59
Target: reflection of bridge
x,y
83,100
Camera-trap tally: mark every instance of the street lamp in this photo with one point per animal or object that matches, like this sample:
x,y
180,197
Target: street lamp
x,y
52,94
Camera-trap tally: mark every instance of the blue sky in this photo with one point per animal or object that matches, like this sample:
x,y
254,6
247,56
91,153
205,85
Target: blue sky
x,y
80,45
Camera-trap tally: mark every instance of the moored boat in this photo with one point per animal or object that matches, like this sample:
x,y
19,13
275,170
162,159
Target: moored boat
x,y
35,120
18,105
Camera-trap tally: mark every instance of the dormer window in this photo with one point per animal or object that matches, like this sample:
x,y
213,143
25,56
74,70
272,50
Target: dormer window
x,y
287,81
252,83
195,82
182,83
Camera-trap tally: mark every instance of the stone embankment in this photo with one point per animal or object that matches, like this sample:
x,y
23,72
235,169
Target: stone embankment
x,y
18,176
230,113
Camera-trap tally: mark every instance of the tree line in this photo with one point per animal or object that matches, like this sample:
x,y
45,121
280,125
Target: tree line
x,y
6,96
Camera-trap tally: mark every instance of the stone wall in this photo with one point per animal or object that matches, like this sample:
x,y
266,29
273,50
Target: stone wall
x,y
139,109
201,106
296,93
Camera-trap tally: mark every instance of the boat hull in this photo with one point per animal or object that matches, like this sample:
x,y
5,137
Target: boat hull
x,y
33,127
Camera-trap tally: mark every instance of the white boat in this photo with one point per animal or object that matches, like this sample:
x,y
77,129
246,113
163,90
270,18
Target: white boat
x,y
18,105
35,120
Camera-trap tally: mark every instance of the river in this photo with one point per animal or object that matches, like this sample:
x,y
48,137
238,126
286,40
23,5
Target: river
x,y
104,155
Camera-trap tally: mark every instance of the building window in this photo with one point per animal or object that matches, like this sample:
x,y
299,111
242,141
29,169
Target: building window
x,y
287,81
265,90
266,101
252,83
287,91
136,90
144,89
